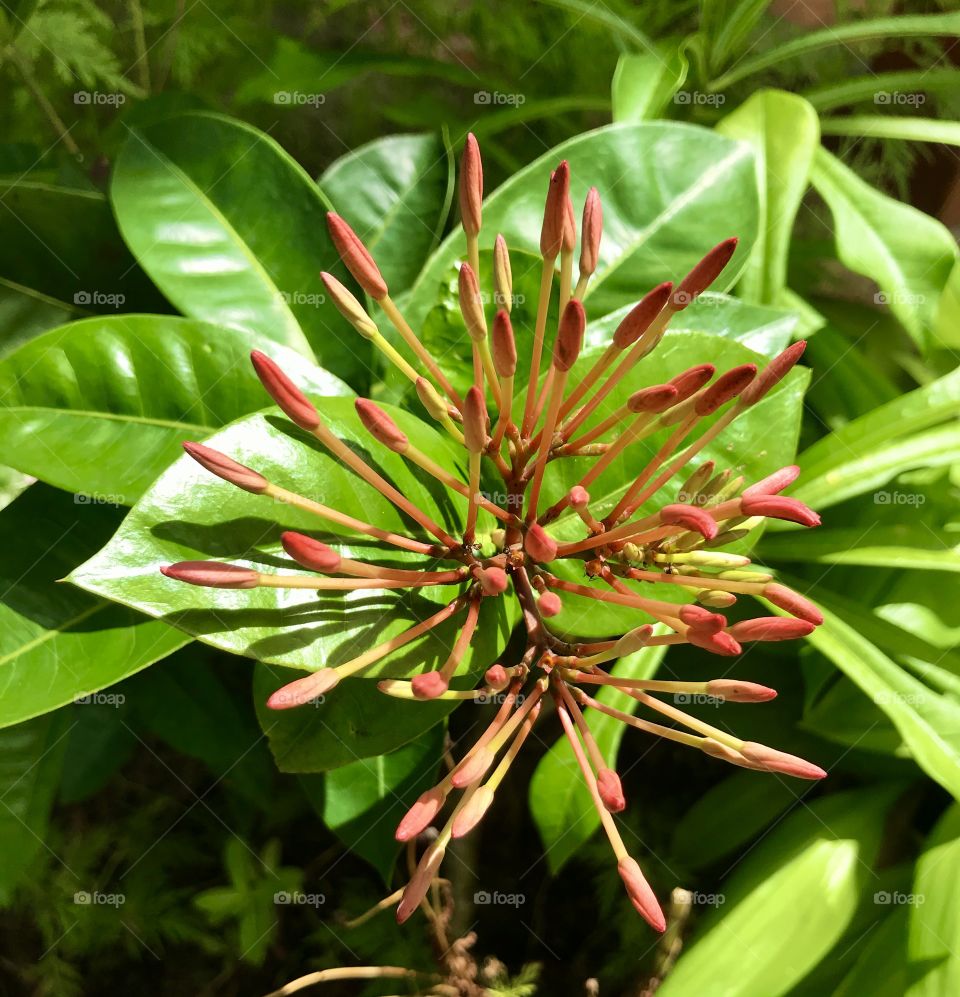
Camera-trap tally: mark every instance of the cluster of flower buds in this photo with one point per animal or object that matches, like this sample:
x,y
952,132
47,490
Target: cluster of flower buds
x,y
519,430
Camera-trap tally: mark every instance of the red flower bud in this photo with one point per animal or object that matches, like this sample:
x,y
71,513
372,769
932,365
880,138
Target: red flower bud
x,y
718,643
590,233
356,258
223,467
550,604
727,386
212,574
636,322
555,212
380,426
493,580
496,677
779,507
539,544
703,274
471,186
770,628
429,685
475,420
569,336
504,345
471,304
419,883
310,553
569,228
773,373
418,817
641,896
780,761
690,517
735,691
774,483
292,401
702,619
656,398
792,602
691,381
611,791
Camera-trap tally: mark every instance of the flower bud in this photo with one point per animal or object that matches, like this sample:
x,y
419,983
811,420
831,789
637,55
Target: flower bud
x,y
611,791
555,212
641,896
702,619
472,768
419,883
636,322
656,398
690,517
773,373
380,426
473,812
430,399
780,761
727,386
310,553
504,345
284,392
356,258
493,580
734,691
349,307
539,544
569,228
792,602
590,233
429,685
779,507
703,274
774,483
212,574
496,677
502,274
475,420
691,381
471,186
717,643
771,628
471,305
420,815
633,640
550,604
569,336
303,690
578,497
223,467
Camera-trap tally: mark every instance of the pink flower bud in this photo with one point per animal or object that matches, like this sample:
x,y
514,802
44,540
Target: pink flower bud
x,y
223,467
284,392
471,186
504,345
690,517
770,628
429,685
303,690
735,691
380,426
472,812
640,894
590,233
579,496
792,602
419,883
704,274
656,398
636,322
774,483
496,677
471,304
569,336
493,580
611,791
356,258
702,619
555,212
779,507
212,574
691,381
569,228
549,604
421,813
472,768
727,386
539,544
773,373
310,553
717,643
349,307
780,761
475,420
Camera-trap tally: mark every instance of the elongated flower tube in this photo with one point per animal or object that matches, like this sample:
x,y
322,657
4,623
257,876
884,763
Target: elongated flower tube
x,y
650,546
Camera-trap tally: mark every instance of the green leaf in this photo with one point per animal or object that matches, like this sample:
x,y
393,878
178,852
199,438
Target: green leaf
x,y
57,643
784,131
881,967
908,253
726,25
188,514
99,407
890,126
396,193
670,192
233,231
899,546
643,83
363,802
560,802
787,903
929,724
840,93
31,757
25,313
934,936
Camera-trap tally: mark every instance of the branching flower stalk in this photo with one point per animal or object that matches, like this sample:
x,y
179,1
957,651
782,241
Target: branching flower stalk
x,y
665,532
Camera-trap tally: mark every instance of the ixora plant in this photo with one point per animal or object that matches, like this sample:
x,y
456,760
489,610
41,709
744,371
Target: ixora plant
x,y
657,550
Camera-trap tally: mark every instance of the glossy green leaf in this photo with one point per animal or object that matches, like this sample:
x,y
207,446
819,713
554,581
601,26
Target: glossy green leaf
x,y
644,82
881,968
787,902
99,407
396,193
188,514
868,87
784,132
25,313
57,643
895,127
670,192
929,723
843,715
909,254
559,799
363,802
726,24
31,758
233,231
933,944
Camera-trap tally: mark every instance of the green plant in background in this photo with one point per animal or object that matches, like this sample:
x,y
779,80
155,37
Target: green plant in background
x,y
96,408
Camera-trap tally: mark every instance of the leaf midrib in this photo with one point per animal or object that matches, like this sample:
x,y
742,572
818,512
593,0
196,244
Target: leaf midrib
x,y
112,417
